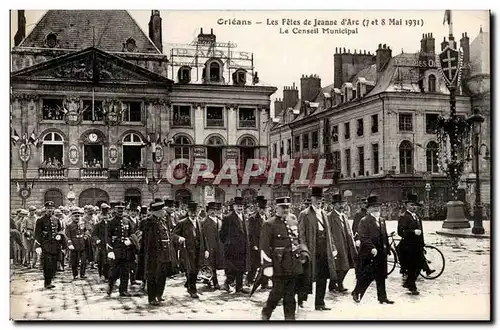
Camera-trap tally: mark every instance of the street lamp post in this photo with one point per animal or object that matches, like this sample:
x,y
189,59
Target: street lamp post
x,y
476,120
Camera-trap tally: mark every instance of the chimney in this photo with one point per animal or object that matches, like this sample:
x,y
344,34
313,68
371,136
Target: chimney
x,y
278,107
290,96
384,54
464,43
431,44
444,44
21,28
155,29
423,44
309,87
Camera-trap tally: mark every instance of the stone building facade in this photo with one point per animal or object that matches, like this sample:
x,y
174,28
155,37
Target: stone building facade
x,y
95,117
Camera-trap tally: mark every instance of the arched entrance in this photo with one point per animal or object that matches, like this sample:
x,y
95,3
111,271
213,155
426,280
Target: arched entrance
x,y
249,195
54,195
133,196
93,196
183,196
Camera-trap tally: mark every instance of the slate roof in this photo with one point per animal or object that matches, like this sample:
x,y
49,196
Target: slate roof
x,y
74,30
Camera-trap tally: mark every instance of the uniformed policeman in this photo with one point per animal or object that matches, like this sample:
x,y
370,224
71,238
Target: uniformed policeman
x,y
78,240
282,258
121,250
49,238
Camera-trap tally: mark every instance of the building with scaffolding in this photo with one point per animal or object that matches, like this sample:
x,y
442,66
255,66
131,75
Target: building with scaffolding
x,y
99,110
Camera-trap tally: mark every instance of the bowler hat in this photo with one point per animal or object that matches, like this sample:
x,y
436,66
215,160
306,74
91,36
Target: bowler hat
x,y
372,201
192,206
262,203
211,206
317,192
238,201
337,198
260,197
413,198
156,205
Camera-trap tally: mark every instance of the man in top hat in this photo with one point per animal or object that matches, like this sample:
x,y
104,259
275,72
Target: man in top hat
x,y
100,237
282,258
159,251
49,238
211,226
411,247
255,223
373,253
344,242
316,233
78,238
193,251
121,249
358,216
233,235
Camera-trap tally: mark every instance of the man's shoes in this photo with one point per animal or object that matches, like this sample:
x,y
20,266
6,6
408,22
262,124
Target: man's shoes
x,y
243,290
154,303
160,298
356,297
50,286
227,287
83,276
109,290
265,316
386,301
341,289
322,308
430,271
414,292
217,286
75,277
125,294
194,295
405,285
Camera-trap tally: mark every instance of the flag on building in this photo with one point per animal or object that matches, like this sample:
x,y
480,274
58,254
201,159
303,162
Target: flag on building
x,y
447,17
14,137
32,138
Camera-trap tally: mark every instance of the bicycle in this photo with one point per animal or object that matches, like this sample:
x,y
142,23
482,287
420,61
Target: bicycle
x,y
433,257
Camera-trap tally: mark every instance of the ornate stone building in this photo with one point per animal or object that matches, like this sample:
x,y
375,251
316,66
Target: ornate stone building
x,y
95,116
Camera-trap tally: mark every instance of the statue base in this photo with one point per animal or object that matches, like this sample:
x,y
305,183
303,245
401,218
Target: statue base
x,y
455,217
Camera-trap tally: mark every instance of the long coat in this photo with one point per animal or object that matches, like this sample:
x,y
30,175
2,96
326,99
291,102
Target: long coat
x,y
308,224
158,244
344,242
215,247
121,228
410,249
356,219
79,238
255,223
233,235
46,230
192,255
372,236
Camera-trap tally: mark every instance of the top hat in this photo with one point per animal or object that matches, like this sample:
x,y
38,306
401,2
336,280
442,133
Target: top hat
x,y
337,198
211,206
317,192
412,198
156,205
49,204
260,197
238,201
169,202
262,203
192,206
372,201
144,209
283,201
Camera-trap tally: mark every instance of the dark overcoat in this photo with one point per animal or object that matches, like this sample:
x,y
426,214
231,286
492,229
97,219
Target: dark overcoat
x,y
121,228
46,230
344,242
215,247
308,224
233,235
255,223
192,252
410,248
77,237
373,236
356,219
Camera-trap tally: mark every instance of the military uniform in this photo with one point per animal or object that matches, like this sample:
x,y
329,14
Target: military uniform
x,y
279,243
78,238
49,237
121,250
100,237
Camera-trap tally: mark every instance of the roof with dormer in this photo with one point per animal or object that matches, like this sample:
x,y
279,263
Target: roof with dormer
x,y
79,29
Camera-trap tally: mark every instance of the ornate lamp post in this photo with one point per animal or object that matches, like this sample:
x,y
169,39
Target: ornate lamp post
x,y
475,121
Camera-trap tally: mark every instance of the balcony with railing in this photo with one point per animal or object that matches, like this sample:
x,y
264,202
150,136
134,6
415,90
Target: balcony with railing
x,y
94,173
52,173
247,123
133,173
215,122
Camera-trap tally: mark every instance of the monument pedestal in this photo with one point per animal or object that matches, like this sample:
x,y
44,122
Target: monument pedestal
x,y
455,217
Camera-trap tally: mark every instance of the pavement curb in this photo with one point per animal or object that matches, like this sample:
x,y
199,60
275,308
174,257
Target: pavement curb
x,y
461,233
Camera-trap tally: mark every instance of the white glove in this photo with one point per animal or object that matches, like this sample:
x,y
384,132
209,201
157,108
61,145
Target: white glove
x,y
418,232
58,237
358,243
98,241
182,240
255,248
127,242
207,254
374,252
71,247
268,271
38,250
111,255
335,253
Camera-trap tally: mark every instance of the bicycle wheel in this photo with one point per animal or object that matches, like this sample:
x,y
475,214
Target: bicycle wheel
x,y
435,260
392,260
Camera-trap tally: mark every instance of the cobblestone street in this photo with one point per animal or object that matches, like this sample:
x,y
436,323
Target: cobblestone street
x,y
461,293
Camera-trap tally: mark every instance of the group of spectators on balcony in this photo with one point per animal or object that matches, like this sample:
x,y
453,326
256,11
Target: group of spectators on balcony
x,y
52,162
95,163
132,166
52,113
182,119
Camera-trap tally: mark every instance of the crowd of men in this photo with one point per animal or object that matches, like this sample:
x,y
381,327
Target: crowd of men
x,y
256,246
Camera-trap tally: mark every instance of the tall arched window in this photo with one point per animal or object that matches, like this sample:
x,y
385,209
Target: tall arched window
x,y
182,147
247,150
432,157
54,195
405,157
214,151
132,151
432,83
53,150
133,196
214,71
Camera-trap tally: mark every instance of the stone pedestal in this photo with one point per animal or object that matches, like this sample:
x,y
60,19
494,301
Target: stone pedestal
x,y
455,217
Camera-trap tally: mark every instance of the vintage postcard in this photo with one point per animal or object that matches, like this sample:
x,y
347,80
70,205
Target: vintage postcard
x,y
250,165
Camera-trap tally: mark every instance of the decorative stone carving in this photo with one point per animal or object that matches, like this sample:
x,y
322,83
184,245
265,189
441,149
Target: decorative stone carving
x,y
113,110
24,152
198,105
93,137
113,154
73,154
232,106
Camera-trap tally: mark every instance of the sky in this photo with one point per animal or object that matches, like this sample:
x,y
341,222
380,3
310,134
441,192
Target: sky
x,y
281,59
